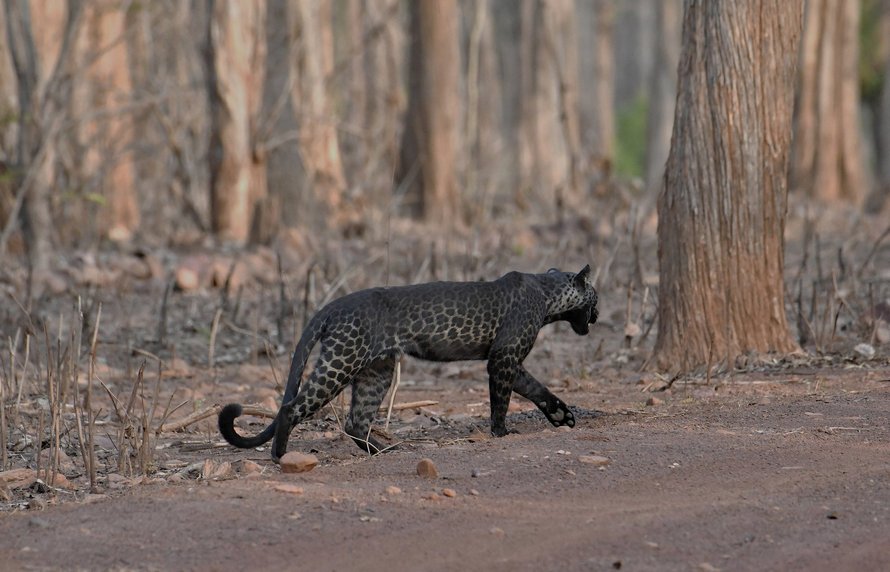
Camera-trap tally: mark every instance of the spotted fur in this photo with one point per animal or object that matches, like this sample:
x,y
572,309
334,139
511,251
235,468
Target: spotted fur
x,y
364,333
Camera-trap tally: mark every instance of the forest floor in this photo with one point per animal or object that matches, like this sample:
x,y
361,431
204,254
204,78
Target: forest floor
x,y
776,464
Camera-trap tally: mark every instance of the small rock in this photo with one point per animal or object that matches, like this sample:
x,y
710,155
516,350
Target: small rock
x,y
432,496
497,531
427,469
564,429
450,493
187,279
393,490
474,492
865,350
654,401
595,460
295,462
222,471
250,467
289,489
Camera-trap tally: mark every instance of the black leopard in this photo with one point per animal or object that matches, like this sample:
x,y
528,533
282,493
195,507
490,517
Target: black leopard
x,y
363,334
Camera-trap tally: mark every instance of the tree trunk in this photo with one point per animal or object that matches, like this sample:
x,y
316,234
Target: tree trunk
x,y
722,211
598,105
383,88
41,36
826,159
236,51
550,132
428,159
507,22
880,194
286,175
319,144
106,138
662,91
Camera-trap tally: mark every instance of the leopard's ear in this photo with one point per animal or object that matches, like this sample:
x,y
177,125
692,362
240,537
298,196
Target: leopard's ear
x,y
583,278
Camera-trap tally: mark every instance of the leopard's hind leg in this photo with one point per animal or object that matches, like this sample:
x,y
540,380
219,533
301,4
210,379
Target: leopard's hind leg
x,y
329,377
368,389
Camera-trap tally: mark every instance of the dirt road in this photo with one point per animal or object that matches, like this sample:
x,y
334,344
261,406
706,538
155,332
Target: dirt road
x,y
763,478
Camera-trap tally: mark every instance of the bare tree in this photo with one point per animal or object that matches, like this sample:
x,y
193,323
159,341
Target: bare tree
x,y
877,201
598,105
722,210
102,97
429,149
826,157
550,125
319,143
40,37
236,51
662,91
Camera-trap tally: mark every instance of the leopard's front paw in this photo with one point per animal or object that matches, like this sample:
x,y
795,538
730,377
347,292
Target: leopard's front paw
x,y
560,415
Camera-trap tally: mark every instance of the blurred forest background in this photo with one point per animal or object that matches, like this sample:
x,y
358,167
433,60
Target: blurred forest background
x,y
158,122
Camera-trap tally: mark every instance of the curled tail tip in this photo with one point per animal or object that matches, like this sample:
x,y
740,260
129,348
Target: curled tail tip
x,y
232,410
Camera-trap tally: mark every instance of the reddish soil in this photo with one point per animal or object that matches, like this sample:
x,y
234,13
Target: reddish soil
x,y
776,470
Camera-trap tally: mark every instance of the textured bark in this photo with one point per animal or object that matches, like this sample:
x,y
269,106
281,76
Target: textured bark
x,y
826,157
236,51
723,207
662,91
428,158
319,144
105,138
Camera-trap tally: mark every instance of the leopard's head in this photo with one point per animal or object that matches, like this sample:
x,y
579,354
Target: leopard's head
x,y
577,300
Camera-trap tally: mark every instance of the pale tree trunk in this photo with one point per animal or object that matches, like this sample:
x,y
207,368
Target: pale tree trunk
x,y
721,214
429,151
484,172
550,134
826,157
236,51
319,144
384,99
286,176
8,133
662,91
8,101
106,132
41,36
507,21
598,105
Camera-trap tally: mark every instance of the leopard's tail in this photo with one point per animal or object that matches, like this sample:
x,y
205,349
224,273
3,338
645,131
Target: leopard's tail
x,y
230,412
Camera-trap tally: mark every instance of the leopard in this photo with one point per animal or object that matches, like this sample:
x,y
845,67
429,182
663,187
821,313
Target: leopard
x,y
364,333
